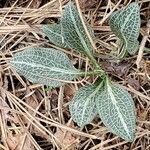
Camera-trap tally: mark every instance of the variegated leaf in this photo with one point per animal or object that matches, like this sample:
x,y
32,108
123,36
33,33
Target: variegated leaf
x,y
125,23
116,109
54,33
44,65
83,108
73,31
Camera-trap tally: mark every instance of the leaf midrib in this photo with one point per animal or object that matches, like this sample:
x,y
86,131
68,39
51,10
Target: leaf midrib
x,y
55,33
110,92
89,98
78,32
34,65
123,27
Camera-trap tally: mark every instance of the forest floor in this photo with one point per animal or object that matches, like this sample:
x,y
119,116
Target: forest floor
x,y
33,116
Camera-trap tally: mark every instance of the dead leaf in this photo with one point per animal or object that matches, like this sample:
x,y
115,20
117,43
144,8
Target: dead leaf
x,y
66,138
86,4
147,67
134,83
6,111
120,70
15,142
69,90
12,142
34,4
31,101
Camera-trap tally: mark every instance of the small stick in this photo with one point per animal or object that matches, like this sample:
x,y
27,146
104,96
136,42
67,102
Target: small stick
x,y
83,23
109,14
142,46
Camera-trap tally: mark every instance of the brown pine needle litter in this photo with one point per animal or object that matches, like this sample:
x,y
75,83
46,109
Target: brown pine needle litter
x,y
35,117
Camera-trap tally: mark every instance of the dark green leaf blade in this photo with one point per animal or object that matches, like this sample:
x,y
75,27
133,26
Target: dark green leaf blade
x,y
116,109
45,66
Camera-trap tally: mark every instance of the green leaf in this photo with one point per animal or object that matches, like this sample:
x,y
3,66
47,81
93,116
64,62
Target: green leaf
x,y
73,31
116,109
45,66
83,108
125,23
54,33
